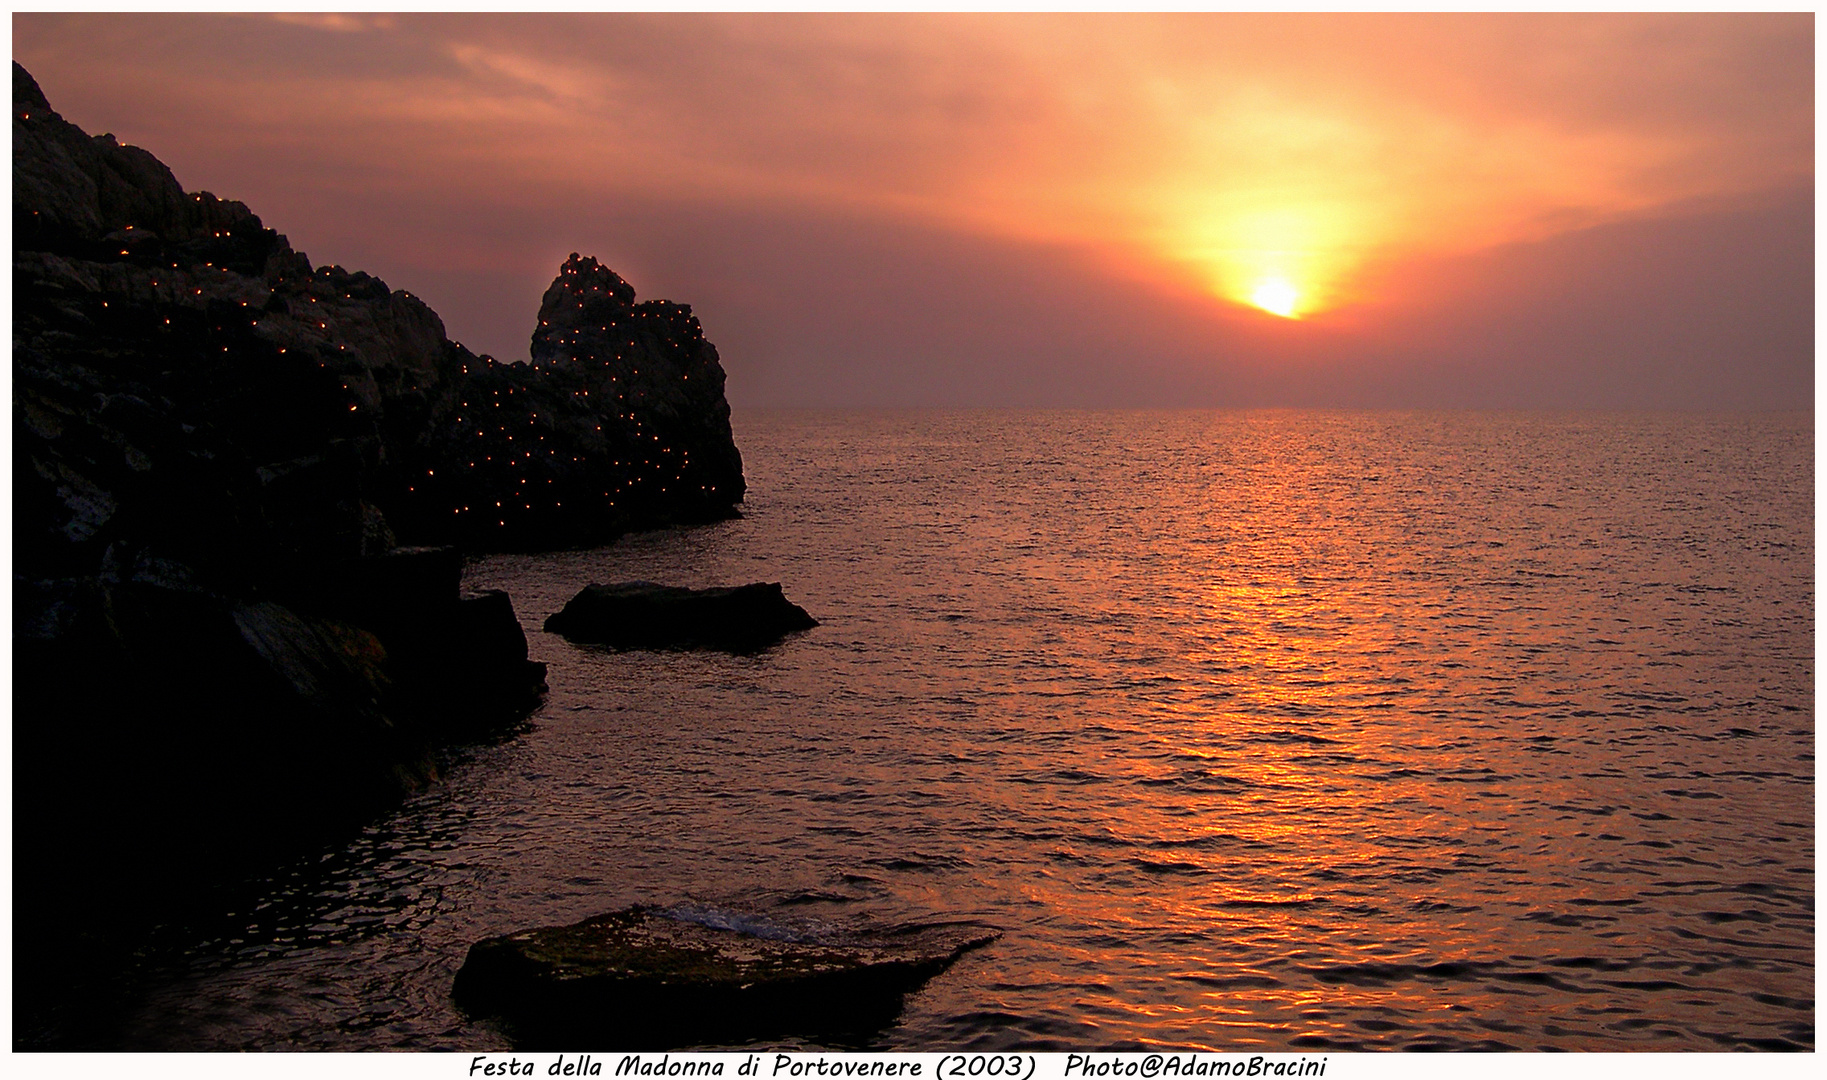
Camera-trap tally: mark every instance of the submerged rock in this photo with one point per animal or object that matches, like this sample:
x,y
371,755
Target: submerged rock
x,y
642,615
640,979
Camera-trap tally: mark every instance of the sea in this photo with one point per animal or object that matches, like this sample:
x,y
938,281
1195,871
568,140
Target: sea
x,y
1253,731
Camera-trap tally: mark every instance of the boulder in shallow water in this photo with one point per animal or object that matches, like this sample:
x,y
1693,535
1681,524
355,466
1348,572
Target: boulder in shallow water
x,y
642,615
639,979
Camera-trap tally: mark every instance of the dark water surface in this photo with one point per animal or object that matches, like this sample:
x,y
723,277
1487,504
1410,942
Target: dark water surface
x,y
1253,730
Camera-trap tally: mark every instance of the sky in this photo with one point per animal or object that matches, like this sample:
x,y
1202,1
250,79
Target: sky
x,y
1383,211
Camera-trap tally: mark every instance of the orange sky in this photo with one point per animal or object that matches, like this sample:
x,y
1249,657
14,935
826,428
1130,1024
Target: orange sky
x,y
1385,178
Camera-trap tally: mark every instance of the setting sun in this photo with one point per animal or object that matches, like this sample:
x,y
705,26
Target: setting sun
x,y
1275,251
1245,474
1276,296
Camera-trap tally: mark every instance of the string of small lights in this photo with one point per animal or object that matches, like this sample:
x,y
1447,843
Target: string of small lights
x,y
614,422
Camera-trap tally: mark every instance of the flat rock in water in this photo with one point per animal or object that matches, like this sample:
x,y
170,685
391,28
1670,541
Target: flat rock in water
x,y
642,615
640,979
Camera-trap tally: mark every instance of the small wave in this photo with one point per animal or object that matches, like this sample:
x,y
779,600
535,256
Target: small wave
x,y
816,896
1392,774
1561,918
1432,906
920,860
1198,779
1167,866
1271,901
1378,974
1649,984
1473,776
1781,1002
1286,737
1717,917
724,919
1206,840
1592,963
1060,776
1228,982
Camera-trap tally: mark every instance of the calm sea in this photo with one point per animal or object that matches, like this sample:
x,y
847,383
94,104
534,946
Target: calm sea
x,y
1276,730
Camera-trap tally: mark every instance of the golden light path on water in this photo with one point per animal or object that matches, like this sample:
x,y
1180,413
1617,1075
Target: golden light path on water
x,y
1292,731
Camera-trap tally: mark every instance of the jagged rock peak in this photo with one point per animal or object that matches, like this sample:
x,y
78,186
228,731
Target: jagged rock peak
x,y
27,96
581,308
583,284
189,302
92,196
589,315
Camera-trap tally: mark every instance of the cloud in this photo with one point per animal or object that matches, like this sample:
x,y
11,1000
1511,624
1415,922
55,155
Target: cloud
x,y
336,23
1383,164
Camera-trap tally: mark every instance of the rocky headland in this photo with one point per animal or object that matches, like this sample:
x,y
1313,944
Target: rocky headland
x,y
243,487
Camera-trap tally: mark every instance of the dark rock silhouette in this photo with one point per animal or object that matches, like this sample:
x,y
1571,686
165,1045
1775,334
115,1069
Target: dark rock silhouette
x,y
639,979
328,381
618,422
214,615
642,615
242,486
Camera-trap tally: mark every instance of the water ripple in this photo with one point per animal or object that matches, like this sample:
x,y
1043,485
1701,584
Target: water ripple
x,y
1280,730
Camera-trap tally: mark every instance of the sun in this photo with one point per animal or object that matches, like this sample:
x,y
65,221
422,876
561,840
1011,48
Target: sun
x,y
1286,258
1276,296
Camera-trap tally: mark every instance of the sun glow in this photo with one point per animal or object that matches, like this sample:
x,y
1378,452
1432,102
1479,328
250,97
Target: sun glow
x,y
1289,258
1276,296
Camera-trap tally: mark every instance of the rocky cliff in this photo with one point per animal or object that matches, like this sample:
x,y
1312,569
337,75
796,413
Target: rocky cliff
x,y
618,422
242,485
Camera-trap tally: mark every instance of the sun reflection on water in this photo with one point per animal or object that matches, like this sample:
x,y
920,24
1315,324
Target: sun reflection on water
x,y
1301,731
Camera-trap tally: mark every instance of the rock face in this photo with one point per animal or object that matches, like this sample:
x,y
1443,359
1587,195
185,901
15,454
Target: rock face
x,y
619,422
639,979
642,615
353,414
241,489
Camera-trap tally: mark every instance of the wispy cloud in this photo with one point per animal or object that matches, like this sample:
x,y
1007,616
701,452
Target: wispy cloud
x,y
341,23
1205,153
